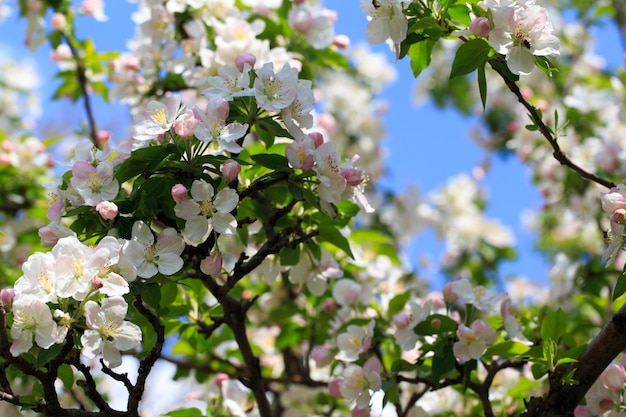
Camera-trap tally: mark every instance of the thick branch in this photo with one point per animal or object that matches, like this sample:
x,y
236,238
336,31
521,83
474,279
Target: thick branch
x,y
563,398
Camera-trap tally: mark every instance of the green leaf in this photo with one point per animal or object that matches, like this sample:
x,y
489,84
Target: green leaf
x,y
482,85
45,355
397,303
419,53
546,66
271,161
289,256
554,325
66,375
508,349
144,159
185,412
443,362
620,285
436,324
329,233
470,56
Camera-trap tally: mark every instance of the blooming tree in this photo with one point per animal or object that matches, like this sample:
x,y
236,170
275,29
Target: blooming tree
x,y
240,234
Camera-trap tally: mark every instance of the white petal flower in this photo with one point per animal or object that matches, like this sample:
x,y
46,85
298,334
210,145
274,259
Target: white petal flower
x,y
275,91
108,333
32,318
150,257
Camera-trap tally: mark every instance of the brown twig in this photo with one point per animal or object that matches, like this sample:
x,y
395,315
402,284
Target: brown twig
x,y
83,82
558,153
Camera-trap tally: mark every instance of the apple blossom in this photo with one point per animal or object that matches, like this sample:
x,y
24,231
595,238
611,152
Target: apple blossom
x,y
150,257
107,332
300,153
230,82
179,192
473,340
358,381
32,318
38,280
206,211
480,27
94,184
404,334
387,21
354,341
156,120
75,267
346,291
212,126
275,91
521,32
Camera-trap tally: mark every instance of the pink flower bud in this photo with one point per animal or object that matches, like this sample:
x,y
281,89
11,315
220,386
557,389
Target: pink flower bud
x,y
221,378
322,356
449,296
435,324
329,306
244,58
619,215
61,53
97,283
301,19
6,296
333,388
341,41
185,124
353,176
58,21
480,27
212,265
318,139
103,136
360,412
401,320
179,192
230,169
298,1
107,210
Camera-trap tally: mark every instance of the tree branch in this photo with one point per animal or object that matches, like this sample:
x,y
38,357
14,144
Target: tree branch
x,y
563,398
83,82
558,153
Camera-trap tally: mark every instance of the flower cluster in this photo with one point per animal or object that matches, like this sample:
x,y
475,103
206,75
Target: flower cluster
x,y
74,283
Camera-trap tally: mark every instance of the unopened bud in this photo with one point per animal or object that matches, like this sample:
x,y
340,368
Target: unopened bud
x,y
97,283
449,296
179,192
230,169
107,210
401,320
333,388
6,296
58,21
244,58
435,324
212,264
619,215
329,306
318,139
220,379
480,27
341,41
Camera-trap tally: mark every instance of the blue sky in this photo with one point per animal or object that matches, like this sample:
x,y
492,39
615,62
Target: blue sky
x,y
425,146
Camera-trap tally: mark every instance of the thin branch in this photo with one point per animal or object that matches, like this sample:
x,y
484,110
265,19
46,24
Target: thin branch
x,y
146,364
558,153
123,378
83,82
